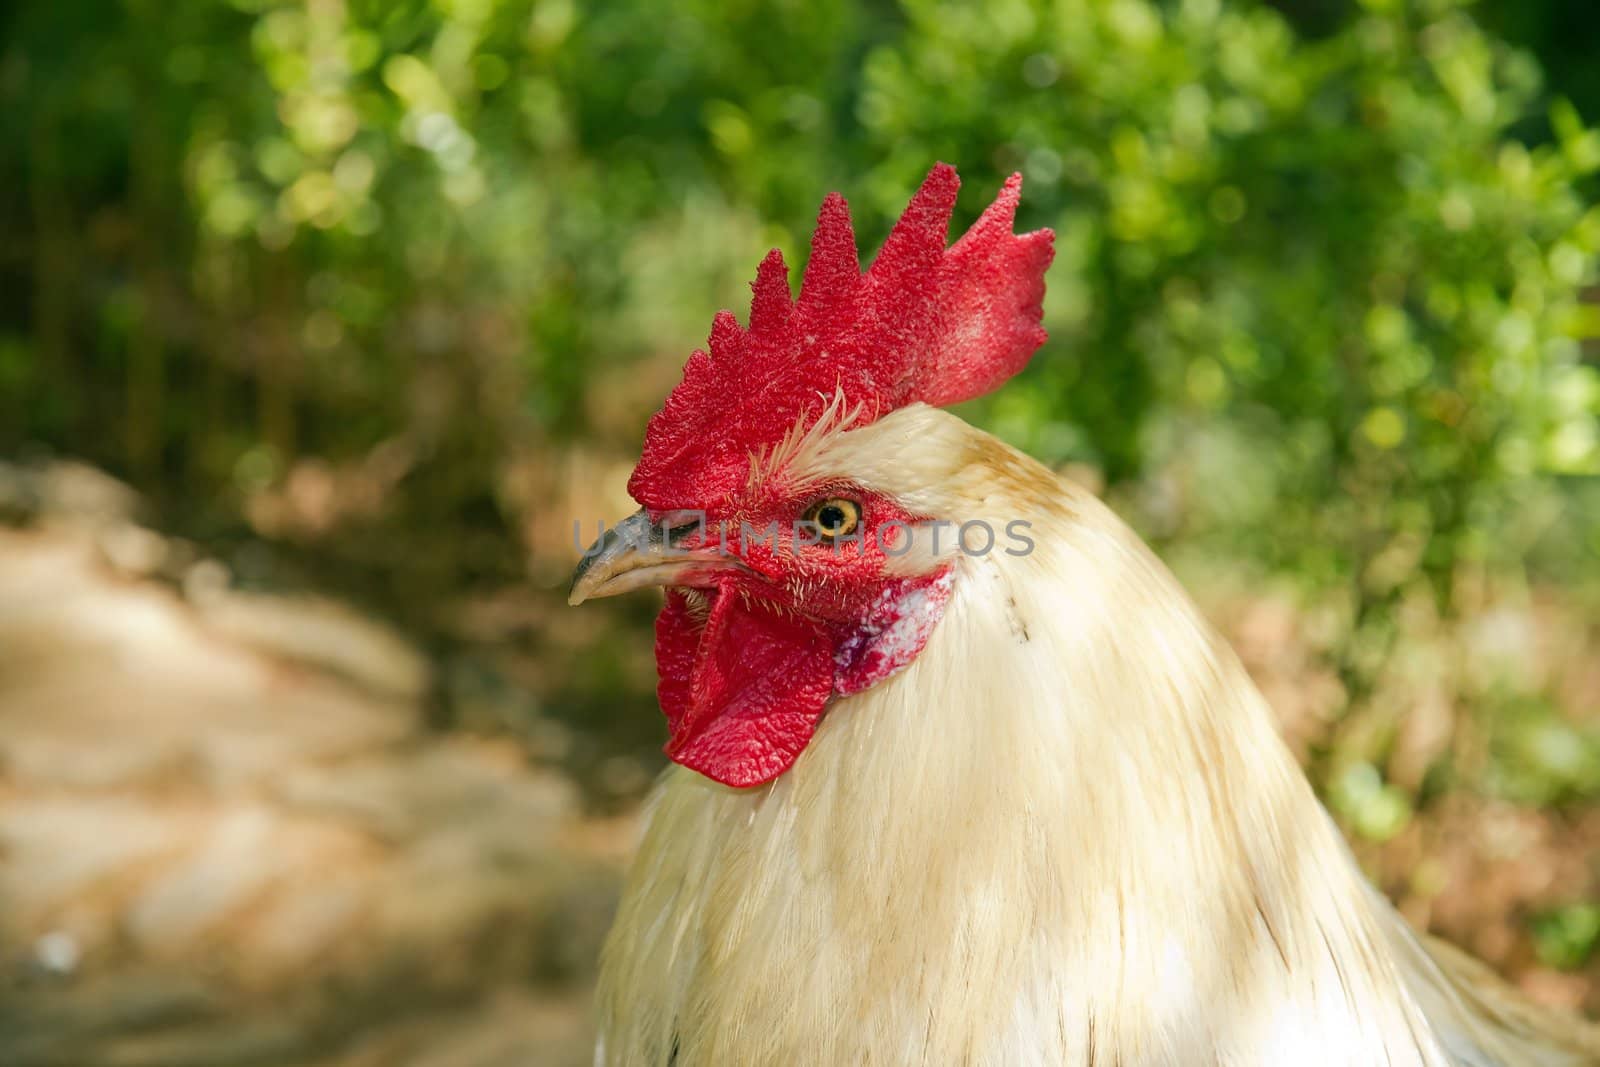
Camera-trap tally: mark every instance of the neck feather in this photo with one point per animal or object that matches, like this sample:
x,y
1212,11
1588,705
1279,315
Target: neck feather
x,y
1067,833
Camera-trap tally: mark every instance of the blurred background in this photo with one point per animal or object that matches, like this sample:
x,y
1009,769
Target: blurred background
x,y
322,320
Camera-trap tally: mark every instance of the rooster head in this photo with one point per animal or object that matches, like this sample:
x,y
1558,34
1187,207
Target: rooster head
x,y
793,575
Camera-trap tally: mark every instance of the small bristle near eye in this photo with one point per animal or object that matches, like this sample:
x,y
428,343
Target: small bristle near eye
x,y
698,603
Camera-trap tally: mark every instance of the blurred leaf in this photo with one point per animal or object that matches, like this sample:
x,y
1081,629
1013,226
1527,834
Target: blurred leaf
x,y
1565,938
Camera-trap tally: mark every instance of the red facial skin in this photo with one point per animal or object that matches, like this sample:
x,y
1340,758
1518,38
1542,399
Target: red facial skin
x,y
748,665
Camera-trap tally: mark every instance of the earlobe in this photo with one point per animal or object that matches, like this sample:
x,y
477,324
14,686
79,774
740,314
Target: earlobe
x,y
893,633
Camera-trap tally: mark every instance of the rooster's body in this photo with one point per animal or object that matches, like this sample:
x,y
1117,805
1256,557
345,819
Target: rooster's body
x,y
1061,830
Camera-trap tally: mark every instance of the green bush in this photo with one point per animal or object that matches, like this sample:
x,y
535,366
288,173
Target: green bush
x,y
1322,280
1314,300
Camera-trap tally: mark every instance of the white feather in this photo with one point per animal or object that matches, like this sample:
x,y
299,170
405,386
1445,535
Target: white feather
x,y
1067,833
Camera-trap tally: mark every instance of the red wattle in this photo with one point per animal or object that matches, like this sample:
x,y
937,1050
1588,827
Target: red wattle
x,y
742,686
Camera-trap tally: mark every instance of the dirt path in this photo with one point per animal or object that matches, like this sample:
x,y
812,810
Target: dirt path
x,y
226,838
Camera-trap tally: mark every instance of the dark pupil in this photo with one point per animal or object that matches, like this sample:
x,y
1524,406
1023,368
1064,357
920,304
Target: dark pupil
x,y
831,517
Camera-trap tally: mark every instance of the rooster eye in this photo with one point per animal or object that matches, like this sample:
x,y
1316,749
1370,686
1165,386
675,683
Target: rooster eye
x,y
834,517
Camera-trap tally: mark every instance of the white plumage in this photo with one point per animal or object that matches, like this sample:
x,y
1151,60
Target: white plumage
x,y
1068,833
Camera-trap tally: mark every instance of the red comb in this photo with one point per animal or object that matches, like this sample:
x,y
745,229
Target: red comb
x,y
926,323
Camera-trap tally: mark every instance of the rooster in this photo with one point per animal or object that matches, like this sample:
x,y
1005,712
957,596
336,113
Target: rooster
x,y
962,776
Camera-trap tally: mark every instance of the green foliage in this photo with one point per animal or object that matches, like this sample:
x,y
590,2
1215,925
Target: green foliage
x,y
1314,302
1539,758
1566,937
1321,280
1373,808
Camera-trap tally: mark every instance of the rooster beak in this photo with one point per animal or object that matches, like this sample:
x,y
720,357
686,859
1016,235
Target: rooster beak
x,y
637,553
